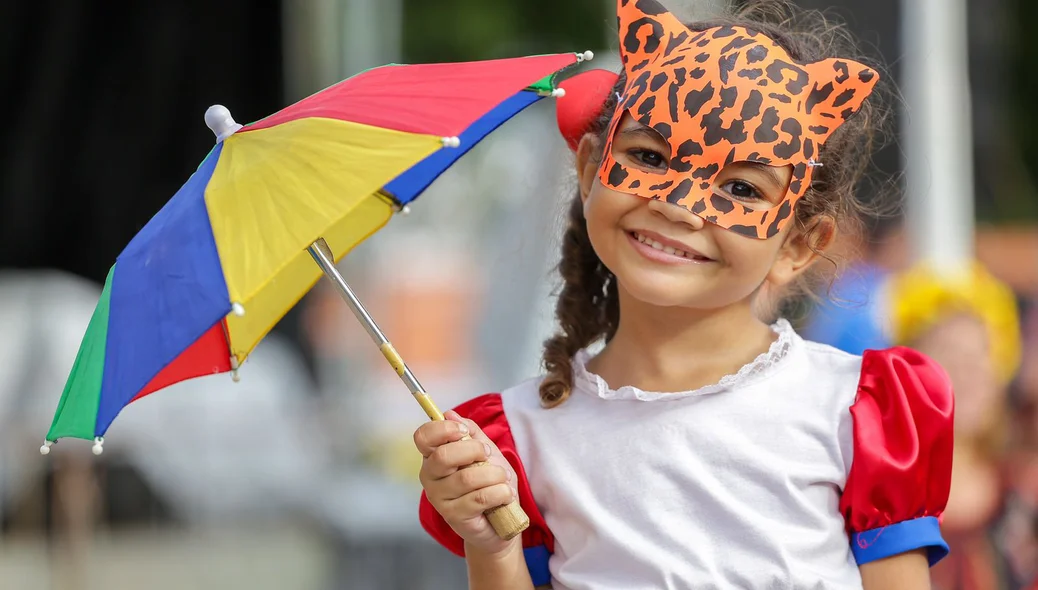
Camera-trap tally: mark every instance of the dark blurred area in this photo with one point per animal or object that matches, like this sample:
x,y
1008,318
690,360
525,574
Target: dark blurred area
x,y
103,102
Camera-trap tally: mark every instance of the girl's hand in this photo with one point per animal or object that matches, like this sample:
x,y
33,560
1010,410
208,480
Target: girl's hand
x,y
460,491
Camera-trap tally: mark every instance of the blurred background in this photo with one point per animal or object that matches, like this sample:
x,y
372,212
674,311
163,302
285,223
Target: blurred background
x,y
303,474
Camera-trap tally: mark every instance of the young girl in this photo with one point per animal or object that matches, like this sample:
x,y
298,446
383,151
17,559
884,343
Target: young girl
x,y
702,447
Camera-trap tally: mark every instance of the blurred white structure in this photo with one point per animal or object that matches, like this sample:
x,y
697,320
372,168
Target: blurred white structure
x,y
328,40
212,448
242,465
938,132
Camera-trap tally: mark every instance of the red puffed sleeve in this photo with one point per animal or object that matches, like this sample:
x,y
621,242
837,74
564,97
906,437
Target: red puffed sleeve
x,y
900,476
538,543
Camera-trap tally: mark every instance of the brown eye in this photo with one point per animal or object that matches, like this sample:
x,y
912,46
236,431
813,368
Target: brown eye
x,y
741,190
648,158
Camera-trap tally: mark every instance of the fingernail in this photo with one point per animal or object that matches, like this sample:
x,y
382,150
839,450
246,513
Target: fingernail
x,y
508,475
486,448
462,428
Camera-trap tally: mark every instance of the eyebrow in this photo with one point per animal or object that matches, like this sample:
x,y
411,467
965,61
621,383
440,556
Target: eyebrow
x,y
771,171
644,131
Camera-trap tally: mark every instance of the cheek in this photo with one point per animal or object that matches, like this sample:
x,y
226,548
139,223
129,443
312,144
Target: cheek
x,y
604,209
746,254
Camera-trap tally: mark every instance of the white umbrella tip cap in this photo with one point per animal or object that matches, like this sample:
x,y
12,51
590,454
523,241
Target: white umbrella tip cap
x,y
218,118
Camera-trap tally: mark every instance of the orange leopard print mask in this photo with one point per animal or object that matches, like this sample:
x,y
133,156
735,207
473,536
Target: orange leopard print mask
x,y
724,95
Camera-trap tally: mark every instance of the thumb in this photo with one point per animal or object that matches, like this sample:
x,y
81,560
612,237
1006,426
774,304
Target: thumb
x,y
473,429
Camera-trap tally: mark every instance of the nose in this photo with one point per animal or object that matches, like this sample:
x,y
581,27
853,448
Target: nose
x,y
676,213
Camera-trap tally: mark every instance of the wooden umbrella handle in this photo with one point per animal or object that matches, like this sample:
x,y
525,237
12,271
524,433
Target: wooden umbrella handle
x,y
509,519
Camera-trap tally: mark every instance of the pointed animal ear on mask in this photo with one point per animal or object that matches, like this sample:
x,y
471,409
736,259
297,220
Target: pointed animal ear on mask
x,y
838,89
646,28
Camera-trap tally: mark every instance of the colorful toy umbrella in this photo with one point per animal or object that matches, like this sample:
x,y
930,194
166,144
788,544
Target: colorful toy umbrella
x,y
212,272
208,277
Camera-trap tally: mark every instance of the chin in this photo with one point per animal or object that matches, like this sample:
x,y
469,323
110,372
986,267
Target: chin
x,y
667,289
661,292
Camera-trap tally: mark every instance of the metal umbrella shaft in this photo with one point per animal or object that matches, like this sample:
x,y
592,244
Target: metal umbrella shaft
x,y
322,255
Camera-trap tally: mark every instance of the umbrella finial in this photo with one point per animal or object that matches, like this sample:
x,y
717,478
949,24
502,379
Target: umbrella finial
x,y
235,376
98,441
554,93
45,449
218,118
586,56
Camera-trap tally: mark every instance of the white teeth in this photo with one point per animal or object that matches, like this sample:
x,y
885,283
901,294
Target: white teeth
x,y
658,246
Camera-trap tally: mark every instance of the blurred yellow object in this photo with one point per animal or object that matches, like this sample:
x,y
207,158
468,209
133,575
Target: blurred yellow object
x,y
920,297
394,456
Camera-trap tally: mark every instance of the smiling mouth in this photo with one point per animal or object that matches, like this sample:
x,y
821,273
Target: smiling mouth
x,y
651,243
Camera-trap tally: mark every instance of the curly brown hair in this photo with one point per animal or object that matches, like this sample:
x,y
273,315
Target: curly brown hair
x,y
588,308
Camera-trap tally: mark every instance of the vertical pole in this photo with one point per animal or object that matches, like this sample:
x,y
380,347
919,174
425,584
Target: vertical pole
x,y
312,56
938,133
328,40
371,34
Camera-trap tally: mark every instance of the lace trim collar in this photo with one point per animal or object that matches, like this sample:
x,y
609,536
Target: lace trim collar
x,y
592,384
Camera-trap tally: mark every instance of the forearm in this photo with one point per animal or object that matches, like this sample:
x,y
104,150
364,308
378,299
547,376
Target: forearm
x,y
504,571
908,571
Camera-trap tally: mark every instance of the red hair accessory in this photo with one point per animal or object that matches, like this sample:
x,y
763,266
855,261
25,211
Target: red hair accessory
x,y
585,96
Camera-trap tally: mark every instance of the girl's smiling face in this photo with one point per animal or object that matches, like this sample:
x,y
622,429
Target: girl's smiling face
x,y
664,255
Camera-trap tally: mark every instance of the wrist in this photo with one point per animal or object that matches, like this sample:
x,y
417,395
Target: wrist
x,y
510,551
499,567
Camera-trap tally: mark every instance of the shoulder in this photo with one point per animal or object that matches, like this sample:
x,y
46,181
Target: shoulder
x,y
488,407
504,416
881,372
830,358
524,396
907,372
831,374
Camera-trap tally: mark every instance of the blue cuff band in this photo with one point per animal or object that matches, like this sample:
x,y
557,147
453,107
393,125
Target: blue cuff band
x,y
537,563
918,533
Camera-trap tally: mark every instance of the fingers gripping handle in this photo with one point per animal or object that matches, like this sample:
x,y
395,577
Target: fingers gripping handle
x,y
508,520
